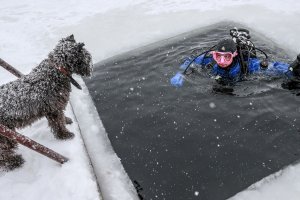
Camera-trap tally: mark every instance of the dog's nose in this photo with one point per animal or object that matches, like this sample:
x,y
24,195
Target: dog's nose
x,y
80,45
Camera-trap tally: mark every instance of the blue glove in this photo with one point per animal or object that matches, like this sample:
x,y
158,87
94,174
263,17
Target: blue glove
x,y
177,80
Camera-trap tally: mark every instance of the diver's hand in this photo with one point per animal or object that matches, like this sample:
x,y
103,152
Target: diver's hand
x,y
177,80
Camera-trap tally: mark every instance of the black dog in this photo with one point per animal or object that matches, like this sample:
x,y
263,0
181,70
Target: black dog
x,y
44,92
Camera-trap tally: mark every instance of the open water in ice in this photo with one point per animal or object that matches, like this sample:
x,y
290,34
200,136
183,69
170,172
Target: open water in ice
x,y
203,140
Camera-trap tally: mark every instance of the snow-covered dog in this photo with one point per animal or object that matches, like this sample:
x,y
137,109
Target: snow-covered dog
x,y
44,92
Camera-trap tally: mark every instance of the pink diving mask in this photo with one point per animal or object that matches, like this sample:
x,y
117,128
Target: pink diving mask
x,y
223,59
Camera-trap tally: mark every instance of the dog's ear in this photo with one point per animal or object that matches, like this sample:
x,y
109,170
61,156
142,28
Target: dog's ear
x,y
71,38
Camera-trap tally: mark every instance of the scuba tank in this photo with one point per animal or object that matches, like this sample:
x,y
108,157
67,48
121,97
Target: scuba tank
x,y
242,37
246,48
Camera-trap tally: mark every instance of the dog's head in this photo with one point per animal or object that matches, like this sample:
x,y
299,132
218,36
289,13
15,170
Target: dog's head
x,y
72,56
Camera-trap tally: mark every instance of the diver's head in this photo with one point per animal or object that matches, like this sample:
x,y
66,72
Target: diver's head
x,y
225,52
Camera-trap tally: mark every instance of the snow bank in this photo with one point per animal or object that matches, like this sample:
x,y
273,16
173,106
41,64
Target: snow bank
x,y
113,180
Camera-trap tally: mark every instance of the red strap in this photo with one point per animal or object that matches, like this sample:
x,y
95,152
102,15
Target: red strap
x,y
63,70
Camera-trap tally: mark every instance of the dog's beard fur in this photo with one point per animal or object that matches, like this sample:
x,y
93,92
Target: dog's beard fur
x,y
44,92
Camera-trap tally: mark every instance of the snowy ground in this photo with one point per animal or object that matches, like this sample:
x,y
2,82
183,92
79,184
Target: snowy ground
x,y
30,29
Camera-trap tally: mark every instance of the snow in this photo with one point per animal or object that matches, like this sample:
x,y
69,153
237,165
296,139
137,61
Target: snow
x,y
42,178
31,28
284,184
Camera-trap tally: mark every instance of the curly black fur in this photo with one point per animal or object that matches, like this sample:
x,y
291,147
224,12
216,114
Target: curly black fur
x,y
44,92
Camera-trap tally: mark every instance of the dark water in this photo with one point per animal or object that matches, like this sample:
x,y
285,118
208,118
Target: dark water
x,y
200,141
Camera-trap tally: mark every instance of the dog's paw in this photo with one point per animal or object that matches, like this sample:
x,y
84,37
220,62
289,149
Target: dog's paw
x,y
65,135
11,161
68,120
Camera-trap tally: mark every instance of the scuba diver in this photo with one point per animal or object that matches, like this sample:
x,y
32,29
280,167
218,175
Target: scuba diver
x,y
233,59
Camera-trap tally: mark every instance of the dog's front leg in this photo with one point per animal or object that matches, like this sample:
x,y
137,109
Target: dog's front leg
x,y
57,123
